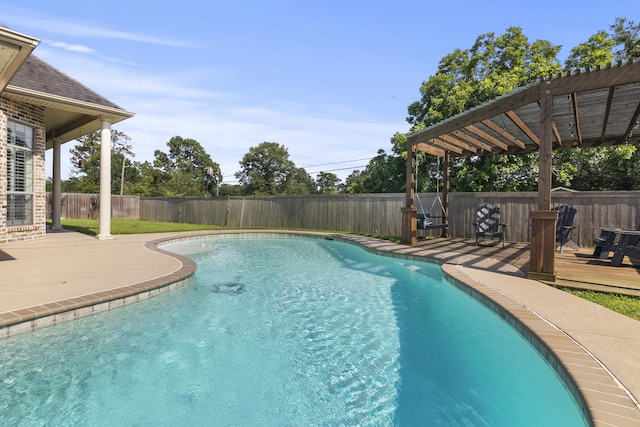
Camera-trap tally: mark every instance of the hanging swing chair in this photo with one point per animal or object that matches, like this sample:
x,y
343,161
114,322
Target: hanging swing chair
x,y
430,220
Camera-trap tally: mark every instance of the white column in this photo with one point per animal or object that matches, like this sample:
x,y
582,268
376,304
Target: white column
x,y
56,199
105,181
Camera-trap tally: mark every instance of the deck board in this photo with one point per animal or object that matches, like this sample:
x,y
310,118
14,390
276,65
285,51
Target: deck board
x,y
575,269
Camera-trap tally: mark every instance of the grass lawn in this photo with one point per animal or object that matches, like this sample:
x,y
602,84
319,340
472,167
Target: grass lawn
x,y
629,306
132,226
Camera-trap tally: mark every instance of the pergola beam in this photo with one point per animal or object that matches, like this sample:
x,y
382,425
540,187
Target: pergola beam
x,y
522,126
461,140
512,101
494,127
487,137
576,117
607,110
633,123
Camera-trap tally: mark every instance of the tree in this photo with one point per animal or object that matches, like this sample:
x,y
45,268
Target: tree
x,y
354,183
467,78
299,182
186,170
85,160
266,170
384,174
598,50
608,168
227,190
327,183
491,67
626,35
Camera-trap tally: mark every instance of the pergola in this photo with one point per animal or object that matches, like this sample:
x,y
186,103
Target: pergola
x,y
588,108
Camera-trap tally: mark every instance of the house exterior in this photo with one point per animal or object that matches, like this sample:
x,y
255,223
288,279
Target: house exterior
x,y
41,108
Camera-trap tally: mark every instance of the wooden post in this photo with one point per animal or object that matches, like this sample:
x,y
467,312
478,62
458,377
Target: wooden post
x,y
543,243
445,190
409,225
545,150
543,221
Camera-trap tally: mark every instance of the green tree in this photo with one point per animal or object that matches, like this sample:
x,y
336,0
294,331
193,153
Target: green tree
x,y
513,172
327,183
601,168
227,190
467,78
598,50
85,161
626,35
183,171
428,174
266,170
299,182
491,67
354,183
384,174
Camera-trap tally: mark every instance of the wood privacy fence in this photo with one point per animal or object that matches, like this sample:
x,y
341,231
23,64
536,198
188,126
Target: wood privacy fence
x,y
87,206
366,213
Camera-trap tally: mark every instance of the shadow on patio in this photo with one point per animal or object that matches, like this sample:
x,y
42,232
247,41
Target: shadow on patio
x,y
576,269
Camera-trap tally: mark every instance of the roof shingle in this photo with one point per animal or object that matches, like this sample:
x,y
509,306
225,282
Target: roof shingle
x,y
37,75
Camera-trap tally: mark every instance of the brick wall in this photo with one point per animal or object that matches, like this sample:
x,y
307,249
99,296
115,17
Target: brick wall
x,y
31,115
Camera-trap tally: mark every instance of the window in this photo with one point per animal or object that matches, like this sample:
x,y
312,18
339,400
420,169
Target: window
x,y
19,174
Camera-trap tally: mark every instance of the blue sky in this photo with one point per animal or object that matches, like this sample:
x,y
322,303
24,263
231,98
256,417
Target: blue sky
x,y
329,80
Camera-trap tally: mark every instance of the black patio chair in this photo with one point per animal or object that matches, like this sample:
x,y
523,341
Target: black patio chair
x,y
488,224
564,225
628,245
606,242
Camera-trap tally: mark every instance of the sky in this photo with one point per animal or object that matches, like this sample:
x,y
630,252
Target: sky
x,y
330,80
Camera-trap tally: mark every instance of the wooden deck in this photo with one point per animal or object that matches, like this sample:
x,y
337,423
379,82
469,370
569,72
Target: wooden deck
x,y
575,269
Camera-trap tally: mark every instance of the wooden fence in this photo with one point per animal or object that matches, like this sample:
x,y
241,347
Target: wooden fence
x,y
360,213
87,206
366,213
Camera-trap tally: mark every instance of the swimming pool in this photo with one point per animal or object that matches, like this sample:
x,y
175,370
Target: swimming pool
x,y
286,331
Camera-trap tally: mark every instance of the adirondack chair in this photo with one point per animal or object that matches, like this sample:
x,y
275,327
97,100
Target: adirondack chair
x,y
564,225
606,242
628,245
488,224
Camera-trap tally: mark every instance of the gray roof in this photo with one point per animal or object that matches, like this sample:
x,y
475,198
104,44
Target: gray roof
x,y
37,75
71,108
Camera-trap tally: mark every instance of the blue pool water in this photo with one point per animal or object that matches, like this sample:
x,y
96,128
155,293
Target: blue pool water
x,y
286,331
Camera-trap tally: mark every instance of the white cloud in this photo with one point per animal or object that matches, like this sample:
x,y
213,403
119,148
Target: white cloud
x,y
59,24
72,47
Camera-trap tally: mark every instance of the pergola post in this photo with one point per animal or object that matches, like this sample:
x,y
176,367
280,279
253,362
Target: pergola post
x,y
445,191
409,220
543,220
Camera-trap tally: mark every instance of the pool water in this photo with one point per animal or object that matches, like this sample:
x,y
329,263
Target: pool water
x,y
286,331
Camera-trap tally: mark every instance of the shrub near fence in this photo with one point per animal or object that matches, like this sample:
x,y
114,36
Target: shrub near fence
x,y
369,213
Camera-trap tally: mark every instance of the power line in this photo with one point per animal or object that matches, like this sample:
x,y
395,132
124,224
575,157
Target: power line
x,y
337,163
340,169
325,164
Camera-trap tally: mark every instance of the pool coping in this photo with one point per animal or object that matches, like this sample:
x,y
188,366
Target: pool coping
x,y
602,397
40,316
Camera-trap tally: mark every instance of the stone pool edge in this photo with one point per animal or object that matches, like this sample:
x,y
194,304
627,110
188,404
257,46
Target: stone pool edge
x,y
40,316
